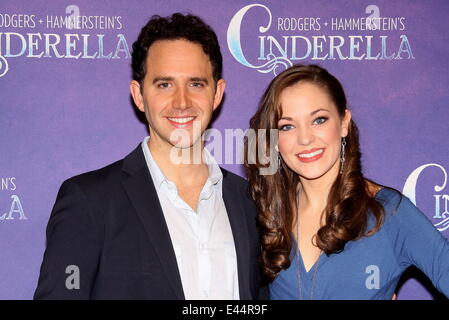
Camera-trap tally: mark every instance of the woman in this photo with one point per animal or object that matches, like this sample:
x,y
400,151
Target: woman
x,y
327,232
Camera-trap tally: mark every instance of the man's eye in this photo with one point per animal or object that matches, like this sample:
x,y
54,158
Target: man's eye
x,y
285,127
163,85
197,84
320,120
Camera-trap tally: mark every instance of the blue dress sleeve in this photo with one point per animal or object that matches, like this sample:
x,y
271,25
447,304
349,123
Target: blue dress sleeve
x,y
417,242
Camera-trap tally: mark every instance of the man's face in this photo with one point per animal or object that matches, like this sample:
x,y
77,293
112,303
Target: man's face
x,y
178,93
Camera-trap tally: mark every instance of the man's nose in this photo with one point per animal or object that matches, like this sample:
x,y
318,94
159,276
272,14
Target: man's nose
x,y
181,99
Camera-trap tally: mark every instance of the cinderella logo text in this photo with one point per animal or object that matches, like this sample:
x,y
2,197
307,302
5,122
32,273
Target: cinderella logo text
x,y
441,217
57,44
282,50
15,208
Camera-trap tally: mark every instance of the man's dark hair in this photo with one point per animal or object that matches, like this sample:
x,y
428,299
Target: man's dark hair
x,y
178,26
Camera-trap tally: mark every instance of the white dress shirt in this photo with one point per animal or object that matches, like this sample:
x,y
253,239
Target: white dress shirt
x,y
202,240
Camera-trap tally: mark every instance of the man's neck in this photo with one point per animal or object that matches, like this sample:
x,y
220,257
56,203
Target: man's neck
x,y
184,167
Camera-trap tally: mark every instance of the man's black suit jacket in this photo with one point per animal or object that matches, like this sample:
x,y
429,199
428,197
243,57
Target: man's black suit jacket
x,y
109,224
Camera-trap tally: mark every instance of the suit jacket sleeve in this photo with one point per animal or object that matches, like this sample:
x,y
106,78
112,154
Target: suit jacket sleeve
x,y
74,238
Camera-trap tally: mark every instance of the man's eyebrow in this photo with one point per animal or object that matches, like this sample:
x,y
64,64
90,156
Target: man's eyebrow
x,y
157,79
199,79
195,79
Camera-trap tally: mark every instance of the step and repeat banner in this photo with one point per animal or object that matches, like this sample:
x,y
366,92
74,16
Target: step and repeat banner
x,y
65,106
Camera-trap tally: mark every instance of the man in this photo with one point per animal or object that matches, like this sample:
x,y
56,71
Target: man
x,y
162,223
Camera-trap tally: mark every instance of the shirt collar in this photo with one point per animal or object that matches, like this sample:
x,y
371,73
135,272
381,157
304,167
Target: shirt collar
x,y
215,174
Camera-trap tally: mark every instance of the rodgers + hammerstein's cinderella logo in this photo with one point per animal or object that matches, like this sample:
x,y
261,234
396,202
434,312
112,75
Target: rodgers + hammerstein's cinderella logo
x,y
61,36
441,200
279,49
3,66
234,44
15,212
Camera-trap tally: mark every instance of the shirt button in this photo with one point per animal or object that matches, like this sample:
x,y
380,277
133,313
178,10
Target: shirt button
x,y
203,246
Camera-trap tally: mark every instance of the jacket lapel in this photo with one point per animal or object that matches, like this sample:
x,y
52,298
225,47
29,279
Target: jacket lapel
x,y
141,191
237,220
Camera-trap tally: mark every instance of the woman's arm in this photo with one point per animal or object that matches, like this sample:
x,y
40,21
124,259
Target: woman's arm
x,y
418,242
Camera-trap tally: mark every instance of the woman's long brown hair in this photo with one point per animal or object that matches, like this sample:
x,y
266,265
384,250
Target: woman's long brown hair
x,y
349,202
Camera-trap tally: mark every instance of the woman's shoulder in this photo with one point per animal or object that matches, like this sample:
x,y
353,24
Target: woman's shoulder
x,y
392,200
386,196
399,207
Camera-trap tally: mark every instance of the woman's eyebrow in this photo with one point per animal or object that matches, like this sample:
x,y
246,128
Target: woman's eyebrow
x,y
318,110
312,113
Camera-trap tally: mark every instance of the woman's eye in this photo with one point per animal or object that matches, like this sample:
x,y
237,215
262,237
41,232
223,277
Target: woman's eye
x,y
320,120
285,127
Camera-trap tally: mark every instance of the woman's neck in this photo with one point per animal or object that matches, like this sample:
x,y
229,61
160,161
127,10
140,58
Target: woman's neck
x,y
314,192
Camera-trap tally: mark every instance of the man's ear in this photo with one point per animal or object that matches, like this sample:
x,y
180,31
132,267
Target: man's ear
x,y
345,123
219,91
134,88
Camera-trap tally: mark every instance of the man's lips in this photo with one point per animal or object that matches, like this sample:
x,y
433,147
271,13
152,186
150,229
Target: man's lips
x,y
181,122
310,155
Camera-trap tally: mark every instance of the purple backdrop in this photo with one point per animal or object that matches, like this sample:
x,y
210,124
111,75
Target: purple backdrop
x,y
65,106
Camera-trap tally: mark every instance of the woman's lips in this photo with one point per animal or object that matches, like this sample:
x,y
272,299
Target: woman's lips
x,y
310,155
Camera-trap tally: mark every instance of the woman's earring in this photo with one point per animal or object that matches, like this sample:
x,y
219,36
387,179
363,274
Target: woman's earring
x,y
342,154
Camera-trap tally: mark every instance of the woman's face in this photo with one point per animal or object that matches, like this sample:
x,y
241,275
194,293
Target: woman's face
x,y
310,131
